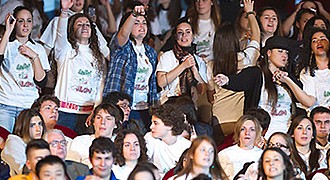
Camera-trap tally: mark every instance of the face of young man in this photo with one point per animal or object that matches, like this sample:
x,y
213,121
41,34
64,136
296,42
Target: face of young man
x,y
35,156
322,124
158,128
102,164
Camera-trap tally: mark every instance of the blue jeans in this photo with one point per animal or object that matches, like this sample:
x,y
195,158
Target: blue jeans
x,y
75,122
8,115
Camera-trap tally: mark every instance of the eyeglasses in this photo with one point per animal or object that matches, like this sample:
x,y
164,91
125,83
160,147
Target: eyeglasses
x,y
56,143
278,145
124,106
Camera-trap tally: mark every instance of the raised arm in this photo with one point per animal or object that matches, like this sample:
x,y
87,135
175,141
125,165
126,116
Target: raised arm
x,y
126,29
10,24
112,28
248,8
287,24
323,12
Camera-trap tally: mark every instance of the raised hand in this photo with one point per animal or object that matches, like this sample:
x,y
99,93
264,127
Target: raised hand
x,y
66,4
221,80
10,22
188,61
280,76
140,10
248,5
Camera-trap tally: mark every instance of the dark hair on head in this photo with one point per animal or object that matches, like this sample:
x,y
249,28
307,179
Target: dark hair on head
x,y
102,145
112,109
319,110
308,60
125,17
141,167
185,105
192,14
299,14
315,153
116,96
288,172
261,11
174,12
119,142
22,124
215,169
50,160
202,177
47,97
16,11
309,26
36,144
225,49
99,60
262,116
170,116
179,164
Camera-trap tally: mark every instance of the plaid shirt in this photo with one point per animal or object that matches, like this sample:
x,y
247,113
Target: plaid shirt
x,y
123,67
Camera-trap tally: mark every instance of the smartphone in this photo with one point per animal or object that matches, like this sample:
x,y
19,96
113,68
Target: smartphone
x,y
91,11
11,19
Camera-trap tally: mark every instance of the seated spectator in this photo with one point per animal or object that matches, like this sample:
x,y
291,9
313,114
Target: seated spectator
x,y
51,167
246,132
179,166
131,151
106,118
58,147
307,156
36,150
321,119
141,171
47,105
164,143
275,158
202,159
102,154
29,125
4,167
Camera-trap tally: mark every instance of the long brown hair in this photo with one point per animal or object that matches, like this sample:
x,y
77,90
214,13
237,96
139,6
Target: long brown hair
x,y
93,42
215,169
192,14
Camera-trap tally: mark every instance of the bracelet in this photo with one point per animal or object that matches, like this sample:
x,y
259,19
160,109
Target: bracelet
x,y
135,14
33,59
248,13
65,12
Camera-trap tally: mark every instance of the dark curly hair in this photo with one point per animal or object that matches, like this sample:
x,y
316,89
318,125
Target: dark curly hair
x,y
169,114
93,42
119,142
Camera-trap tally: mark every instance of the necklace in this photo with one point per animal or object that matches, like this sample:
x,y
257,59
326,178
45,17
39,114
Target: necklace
x,y
140,51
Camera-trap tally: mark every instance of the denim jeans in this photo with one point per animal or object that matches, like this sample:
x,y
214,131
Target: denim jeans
x,y
8,115
75,122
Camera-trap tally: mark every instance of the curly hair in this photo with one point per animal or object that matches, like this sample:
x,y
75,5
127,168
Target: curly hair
x,y
93,42
169,114
119,142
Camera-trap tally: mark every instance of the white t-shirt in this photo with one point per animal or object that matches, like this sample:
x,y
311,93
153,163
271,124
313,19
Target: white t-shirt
x,y
204,39
121,173
143,74
168,62
233,158
165,156
249,56
16,75
322,160
280,117
317,86
78,81
49,36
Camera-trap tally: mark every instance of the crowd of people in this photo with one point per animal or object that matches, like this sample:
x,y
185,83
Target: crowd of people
x,y
167,89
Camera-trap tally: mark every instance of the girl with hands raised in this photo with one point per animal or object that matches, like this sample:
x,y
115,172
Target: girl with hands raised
x,y
23,64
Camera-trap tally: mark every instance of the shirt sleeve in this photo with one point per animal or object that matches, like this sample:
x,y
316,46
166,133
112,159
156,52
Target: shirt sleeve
x,y
308,83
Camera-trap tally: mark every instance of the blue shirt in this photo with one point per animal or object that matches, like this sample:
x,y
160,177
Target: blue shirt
x,y
112,176
123,67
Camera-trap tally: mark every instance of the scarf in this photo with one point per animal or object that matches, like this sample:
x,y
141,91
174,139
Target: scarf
x,y
187,79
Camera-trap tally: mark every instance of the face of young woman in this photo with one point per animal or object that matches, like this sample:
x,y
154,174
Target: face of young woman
x,y
78,5
247,134
204,6
273,164
319,23
320,44
204,155
35,127
269,21
82,28
303,133
24,23
279,142
159,129
278,57
131,148
140,28
104,123
184,35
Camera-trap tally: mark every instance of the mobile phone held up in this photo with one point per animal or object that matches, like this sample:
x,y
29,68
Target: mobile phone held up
x,y
11,19
91,12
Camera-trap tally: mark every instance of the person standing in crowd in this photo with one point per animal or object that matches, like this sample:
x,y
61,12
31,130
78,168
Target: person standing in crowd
x,y
133,64
23,65
58,147
81,68
29,125
102,154
321,119
35,150
164,143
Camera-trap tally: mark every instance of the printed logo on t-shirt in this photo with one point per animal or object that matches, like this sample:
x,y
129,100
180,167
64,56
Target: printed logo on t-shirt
x,y
203,48
83,85
24,80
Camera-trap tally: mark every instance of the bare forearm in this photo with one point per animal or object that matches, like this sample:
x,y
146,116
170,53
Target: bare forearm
x,y
4,41
111,20
39,72
286,26
302,96
125,30
254,28
163,78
